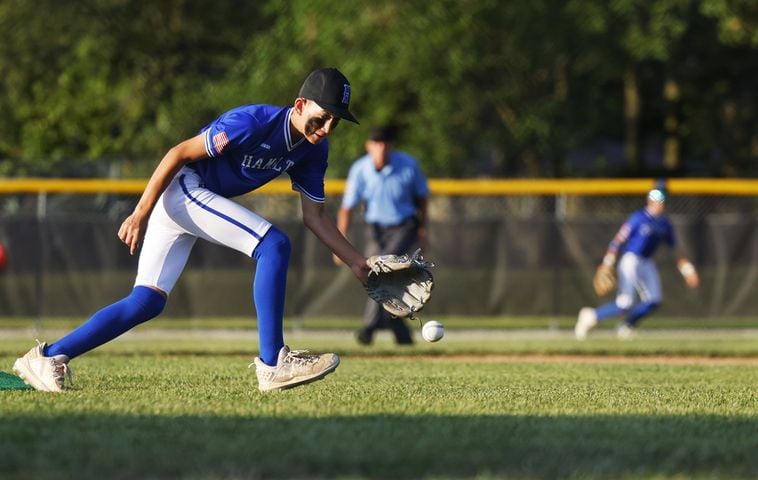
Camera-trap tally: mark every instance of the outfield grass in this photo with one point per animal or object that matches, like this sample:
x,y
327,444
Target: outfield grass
x,y
497,404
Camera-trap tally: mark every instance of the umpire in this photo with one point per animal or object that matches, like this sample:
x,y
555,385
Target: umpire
x,y
394,190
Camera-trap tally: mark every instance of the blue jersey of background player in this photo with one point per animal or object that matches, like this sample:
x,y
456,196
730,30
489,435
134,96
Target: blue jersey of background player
x,y
644,232
188,197
639,284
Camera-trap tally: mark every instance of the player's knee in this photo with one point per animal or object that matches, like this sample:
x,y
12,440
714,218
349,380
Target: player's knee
x,y
280,242
624,302
156,290
148,302
275,242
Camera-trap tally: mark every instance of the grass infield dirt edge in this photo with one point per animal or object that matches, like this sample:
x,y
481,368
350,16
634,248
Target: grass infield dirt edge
x,y
542,358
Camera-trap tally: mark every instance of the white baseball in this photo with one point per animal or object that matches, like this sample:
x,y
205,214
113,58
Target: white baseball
x,y
433,331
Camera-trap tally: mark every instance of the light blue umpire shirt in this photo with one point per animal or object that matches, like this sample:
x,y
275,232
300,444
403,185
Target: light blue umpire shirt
x,y
390,193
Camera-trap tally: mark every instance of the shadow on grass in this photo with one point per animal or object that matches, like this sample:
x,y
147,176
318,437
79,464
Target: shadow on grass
x,y
373,447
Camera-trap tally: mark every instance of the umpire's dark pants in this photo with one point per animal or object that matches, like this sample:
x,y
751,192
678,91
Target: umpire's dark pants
x,y
396,239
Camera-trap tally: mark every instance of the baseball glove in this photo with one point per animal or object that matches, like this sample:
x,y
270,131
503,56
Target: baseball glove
x,y
604,281
402,284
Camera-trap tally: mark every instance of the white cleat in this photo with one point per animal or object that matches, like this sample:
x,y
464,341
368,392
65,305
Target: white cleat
x,y
46,374
625,332
586,321
293,368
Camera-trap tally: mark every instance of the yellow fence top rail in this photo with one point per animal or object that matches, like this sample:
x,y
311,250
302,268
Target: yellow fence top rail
x,y
595,186
438,186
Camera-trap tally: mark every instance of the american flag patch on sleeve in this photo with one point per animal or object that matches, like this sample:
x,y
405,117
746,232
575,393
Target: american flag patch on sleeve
x,y
220,141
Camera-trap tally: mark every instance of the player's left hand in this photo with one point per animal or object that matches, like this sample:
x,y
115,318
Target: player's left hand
x,y
132,230
361,270
687,269
402,284
692,280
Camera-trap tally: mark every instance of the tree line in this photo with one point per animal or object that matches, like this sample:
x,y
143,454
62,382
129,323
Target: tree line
x,y
537,88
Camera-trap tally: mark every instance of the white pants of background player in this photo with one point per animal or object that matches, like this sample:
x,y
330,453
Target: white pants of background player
x,y
639,290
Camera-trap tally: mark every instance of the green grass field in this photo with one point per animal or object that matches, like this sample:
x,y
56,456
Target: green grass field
x,y
481,404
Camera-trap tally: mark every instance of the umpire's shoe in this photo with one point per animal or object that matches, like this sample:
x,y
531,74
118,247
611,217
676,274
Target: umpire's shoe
x,y
365,336
46,374
293,368
401,331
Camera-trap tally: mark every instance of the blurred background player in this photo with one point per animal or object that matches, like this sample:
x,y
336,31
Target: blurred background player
x,y
394,190
187,197
639,285
3,257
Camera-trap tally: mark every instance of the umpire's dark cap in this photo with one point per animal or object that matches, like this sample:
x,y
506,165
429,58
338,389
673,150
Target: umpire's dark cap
x,y
331,90
382,134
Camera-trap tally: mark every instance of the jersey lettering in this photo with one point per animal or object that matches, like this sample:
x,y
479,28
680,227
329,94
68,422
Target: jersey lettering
x,y
278,164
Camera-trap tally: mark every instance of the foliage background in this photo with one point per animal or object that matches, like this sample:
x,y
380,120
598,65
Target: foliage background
x,y
535,88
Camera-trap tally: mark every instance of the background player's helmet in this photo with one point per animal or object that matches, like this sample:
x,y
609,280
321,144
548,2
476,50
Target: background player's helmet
x,y
656,195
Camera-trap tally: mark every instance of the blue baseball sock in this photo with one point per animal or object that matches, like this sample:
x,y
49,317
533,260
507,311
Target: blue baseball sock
x,y
641,310
608,310
272,256
140,306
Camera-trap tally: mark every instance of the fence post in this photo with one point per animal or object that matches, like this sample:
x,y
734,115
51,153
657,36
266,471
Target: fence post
x,y
41,266
559,216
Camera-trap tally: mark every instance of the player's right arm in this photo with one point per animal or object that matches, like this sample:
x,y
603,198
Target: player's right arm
x,y
133,228
422,215
421,195
350,199
318,221
344,216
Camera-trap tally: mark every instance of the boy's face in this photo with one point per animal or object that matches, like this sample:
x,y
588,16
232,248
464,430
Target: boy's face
x,y
318,123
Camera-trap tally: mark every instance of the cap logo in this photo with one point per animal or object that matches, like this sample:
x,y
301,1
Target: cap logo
x,y
346,94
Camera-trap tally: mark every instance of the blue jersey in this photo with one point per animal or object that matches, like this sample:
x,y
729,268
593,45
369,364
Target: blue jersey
x,y
644,232
390,193
250,145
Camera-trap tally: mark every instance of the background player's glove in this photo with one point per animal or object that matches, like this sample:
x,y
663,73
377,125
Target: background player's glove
x,y
604,281
402,284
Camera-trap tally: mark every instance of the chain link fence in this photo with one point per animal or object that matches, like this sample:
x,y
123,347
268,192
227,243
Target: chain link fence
x,y
497,254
